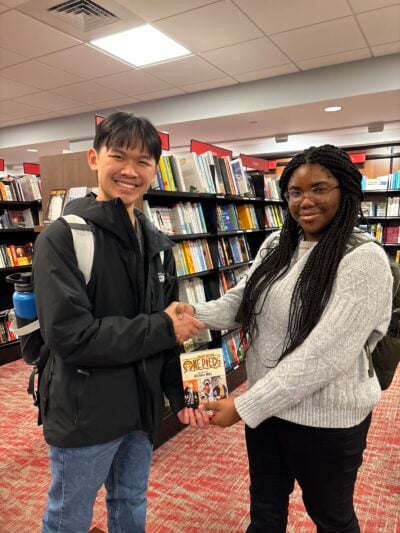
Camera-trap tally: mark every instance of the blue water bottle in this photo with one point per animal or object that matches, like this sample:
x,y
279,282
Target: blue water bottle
x,y
23,298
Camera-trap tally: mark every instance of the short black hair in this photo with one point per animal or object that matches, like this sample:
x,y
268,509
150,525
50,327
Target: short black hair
x,y
125,130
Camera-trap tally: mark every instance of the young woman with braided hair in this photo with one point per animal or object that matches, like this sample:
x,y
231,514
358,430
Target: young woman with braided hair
x,y
308,308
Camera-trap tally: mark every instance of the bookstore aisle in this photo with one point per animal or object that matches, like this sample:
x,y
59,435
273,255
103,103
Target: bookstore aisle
x,y
199,477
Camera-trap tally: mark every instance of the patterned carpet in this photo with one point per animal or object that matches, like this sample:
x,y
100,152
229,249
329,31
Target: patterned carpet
x,y
199,478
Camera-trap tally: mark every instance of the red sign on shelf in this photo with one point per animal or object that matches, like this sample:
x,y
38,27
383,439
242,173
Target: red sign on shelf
x,y
257,163
199,148
99,119
32,168
358,158
1,165
164,140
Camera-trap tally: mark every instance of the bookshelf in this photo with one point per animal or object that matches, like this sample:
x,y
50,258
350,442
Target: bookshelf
x,y
19,214
198,233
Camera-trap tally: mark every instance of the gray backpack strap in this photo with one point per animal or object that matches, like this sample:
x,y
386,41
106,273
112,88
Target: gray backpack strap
x,y
82,235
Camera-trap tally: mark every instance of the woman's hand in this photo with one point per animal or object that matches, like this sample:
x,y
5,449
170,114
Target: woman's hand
x,y
225,413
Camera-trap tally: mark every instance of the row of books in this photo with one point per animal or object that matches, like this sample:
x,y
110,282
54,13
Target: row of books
x,y
272,190
391,235
192,257
230,278
15,255
203,173
6,335
234,346
192,291
25,188
16,219
245,216
274,216
233,250
382,183
178,219
373,209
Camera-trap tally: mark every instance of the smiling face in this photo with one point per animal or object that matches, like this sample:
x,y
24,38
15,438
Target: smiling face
x,y
123,172
314,218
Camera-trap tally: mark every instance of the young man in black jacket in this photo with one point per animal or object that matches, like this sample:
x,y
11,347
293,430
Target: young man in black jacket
x,y
113,343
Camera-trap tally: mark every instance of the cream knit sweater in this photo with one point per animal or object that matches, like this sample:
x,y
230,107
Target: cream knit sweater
x,y
324,382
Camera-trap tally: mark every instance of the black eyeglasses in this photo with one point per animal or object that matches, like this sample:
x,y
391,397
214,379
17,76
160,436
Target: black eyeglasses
x,y
317,195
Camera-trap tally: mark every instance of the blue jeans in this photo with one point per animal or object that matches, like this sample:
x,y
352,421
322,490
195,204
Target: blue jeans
x,y
123,465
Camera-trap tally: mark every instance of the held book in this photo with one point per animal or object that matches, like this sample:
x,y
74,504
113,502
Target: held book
x,y
203,376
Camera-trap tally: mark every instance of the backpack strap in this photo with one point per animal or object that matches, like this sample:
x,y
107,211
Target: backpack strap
x,y
83,237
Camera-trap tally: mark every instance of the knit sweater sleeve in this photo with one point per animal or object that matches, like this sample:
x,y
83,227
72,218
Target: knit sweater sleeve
x,y
221,314
359,309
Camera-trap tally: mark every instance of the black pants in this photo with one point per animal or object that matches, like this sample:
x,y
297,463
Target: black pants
x,y
323,461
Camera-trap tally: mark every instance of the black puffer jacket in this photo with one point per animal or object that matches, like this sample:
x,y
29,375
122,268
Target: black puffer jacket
x,y
113,349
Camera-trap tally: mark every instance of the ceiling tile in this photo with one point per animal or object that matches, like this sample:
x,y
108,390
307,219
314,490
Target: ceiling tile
x,y
39,75
8,58
87,92
5,118
116,102
13,89
206,85
159,9
386,49
187,70
366,5
47,100
321,39
132,82
243,57
266,73
12,3
209,27
344,57
381,26
174,91
85,61
275,16
15,109
27,36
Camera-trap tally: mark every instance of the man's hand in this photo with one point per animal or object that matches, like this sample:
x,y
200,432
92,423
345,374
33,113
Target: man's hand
x,y
195,417
185,325
225,413
183,307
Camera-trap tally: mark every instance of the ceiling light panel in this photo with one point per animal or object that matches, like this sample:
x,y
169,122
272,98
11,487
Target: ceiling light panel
x,y
141,46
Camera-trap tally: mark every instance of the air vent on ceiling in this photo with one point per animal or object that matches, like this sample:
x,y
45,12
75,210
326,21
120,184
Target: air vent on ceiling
x,y
84,14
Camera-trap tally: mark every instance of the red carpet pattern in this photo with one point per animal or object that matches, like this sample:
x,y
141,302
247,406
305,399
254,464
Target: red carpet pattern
x,y
199,478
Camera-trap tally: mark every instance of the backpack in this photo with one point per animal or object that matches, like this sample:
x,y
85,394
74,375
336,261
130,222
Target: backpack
x,y
33,348
383,360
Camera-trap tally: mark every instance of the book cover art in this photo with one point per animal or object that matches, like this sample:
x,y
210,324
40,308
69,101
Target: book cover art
x,y
55,205
203,376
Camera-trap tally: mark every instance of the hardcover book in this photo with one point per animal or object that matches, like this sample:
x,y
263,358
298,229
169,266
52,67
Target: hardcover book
x,y
203,376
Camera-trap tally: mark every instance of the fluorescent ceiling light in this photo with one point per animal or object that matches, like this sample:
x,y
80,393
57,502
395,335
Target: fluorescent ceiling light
x,y
333,108
141,46
31,150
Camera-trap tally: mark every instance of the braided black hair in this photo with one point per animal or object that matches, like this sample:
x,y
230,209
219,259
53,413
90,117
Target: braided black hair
x,y
314,285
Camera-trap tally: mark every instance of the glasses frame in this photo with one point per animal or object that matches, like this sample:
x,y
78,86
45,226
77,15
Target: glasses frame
x,y
306,195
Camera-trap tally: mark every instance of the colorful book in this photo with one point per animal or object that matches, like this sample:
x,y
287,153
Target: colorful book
x,y
203,376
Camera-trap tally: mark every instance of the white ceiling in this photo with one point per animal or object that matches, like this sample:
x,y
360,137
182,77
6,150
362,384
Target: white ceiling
x,y
47,69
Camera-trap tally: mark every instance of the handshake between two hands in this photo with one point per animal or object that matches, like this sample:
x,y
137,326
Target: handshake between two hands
x,y
185,325
220,413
